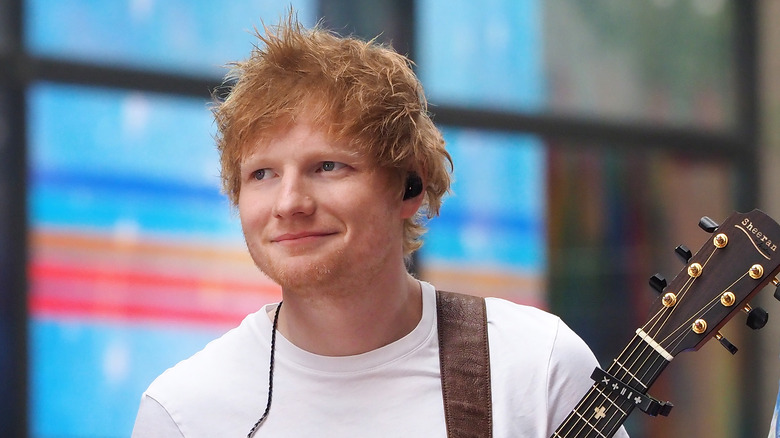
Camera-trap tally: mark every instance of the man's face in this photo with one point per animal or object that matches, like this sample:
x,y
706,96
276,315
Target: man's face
x,y
312,211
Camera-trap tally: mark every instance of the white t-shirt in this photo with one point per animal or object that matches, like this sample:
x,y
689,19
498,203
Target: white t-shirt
x,y
539,370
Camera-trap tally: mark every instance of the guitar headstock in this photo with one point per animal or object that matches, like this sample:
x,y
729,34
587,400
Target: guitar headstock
x,y
734,264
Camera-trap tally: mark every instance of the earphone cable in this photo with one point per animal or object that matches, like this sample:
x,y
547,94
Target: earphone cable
x,y
270,375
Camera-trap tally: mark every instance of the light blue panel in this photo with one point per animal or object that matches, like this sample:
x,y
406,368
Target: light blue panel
x,y
496,173
194,36
117,132
105,159
87,377
496,214
482,53
487,54
205,216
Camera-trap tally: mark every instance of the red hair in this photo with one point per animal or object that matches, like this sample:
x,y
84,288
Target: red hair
x,y
363,92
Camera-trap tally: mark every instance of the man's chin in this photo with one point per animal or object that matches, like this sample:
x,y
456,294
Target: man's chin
x,y
299,275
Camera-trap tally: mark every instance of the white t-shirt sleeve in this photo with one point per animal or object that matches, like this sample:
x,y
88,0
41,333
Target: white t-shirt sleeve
x,y
571,364
540,369
153,420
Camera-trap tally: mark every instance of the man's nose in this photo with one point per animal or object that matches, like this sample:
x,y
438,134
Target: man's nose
x,y
294,197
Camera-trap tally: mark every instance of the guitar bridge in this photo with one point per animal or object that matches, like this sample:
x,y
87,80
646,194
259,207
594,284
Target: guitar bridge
x,y
646,403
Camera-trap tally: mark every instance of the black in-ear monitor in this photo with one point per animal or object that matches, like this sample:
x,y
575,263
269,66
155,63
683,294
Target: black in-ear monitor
x,y
414,186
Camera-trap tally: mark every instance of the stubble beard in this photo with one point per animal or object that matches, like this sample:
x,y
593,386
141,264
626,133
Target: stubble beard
x,y
300,275
332,275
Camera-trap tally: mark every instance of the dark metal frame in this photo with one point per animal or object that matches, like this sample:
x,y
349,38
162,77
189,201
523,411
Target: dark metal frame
x,y
747,163
18,70
13,242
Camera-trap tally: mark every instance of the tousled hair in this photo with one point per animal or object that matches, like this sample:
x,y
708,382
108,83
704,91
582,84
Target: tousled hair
x,y
361,92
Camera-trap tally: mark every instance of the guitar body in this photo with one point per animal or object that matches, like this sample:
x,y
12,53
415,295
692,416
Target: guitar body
x,y
719,280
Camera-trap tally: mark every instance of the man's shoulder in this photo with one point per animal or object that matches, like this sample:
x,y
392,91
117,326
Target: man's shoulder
x,y
508,316
503,311
212,365
218,387
533,329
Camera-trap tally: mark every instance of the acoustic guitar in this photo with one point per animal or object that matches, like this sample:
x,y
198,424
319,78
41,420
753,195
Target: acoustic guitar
x,y
717,282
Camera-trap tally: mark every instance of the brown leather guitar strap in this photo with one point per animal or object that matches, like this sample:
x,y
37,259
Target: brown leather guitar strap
x,y
465,365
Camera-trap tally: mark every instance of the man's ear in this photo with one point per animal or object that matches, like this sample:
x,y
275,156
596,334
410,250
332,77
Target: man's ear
x,y
414,186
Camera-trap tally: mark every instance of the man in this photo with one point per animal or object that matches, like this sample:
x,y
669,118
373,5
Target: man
x,y
330,156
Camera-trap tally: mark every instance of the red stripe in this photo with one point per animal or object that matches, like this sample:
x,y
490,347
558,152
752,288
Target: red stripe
x,y
155,297
91,274
56,306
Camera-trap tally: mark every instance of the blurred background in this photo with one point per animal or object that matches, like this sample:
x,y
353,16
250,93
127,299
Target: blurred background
x,y
588,140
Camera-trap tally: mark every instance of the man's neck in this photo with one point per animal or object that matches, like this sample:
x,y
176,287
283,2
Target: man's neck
x,y
358,320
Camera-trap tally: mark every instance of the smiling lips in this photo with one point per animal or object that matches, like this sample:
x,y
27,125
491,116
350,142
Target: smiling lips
x,y
303,237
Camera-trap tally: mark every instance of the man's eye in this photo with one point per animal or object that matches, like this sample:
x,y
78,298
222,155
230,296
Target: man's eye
x,y
262,174
329,166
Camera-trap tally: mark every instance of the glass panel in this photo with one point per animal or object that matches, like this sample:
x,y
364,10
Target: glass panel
x,y
387,21
194,37
660,61
490,236
615,219
136,259
769,125
6,331
11,337
5,26
486,54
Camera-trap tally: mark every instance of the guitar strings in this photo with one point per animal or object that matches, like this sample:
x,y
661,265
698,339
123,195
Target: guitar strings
x,y
652,325
679,333
714,302
655,329
681,296
589,408
589,404
593,407
676,336
634,354
625,364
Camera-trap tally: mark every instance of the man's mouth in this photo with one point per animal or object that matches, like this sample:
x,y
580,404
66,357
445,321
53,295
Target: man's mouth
x,y
301,237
